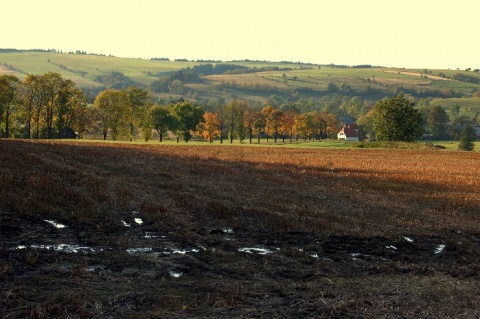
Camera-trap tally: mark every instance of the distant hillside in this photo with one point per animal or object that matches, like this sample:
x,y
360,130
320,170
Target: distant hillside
x,y
252,80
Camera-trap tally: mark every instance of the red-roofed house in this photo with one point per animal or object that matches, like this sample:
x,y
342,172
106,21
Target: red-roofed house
x,y
349,132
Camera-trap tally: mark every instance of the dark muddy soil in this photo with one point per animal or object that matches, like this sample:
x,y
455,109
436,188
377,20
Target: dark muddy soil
x,y
144,272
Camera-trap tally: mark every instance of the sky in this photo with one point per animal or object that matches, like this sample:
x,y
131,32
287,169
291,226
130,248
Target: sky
x,y
393,33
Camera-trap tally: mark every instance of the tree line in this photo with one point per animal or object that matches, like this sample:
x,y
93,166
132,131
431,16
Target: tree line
x,y
48,106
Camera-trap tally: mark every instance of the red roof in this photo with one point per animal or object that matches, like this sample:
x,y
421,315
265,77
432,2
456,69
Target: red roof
x,y
350,130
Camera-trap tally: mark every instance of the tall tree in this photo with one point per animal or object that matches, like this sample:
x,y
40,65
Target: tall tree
x,y
236,125
252,123
258,125
8,99
137,105
112,107
29,96
467,139
397,119
82,113
162,120
54,92
68,98
329,125
287,124
189,116
365,125
220,109
211,126
436,119
273,118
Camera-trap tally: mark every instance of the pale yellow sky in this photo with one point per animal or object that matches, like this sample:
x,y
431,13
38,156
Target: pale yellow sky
x,y
407,33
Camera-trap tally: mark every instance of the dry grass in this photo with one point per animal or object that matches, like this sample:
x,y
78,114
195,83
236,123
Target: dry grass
x,y
368,192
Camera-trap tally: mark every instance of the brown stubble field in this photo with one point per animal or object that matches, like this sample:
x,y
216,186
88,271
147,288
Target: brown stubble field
x,y
237,232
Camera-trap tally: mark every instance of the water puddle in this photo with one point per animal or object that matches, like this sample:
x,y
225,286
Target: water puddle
x,y
139,221
355,256
175,274
162,251
185,251
55,224
253,250
439,249
66,248
139,250
408,239
95,268
150,235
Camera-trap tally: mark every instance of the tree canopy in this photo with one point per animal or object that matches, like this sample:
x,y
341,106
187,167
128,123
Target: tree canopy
x,y
467,139
162,120
397,119
189,116
8,99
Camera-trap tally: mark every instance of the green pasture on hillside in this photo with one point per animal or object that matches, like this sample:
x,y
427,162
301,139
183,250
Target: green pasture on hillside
x,y
290,80
469,106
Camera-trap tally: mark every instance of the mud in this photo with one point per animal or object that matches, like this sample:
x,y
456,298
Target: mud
x,y
233,273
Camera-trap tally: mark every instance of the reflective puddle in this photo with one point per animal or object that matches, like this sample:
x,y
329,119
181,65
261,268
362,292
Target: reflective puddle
x,y
440,249
55,224
67,248
255,250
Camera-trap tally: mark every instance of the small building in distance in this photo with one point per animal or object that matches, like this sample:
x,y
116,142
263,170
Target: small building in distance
x,y
349,132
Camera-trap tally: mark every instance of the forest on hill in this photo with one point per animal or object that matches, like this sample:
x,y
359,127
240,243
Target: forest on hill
x,y
346,92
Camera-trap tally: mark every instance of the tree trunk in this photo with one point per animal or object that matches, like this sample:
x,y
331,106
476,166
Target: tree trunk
x,y
7,119
221,133
29,128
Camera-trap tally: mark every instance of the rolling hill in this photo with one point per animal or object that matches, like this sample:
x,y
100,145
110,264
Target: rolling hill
x,y
253,80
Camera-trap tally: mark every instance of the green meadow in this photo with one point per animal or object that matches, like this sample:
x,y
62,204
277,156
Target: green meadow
x,y
468,106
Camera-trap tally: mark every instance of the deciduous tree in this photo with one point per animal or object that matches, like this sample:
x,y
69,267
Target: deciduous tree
x,y
286,125
467,139
162,120
189,116
137,103
436,120
8,100
30,103
112,107
210,127
397,119
365,125
273,119
236,126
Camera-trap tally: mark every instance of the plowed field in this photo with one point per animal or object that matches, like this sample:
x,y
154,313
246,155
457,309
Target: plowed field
x,y
99,230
